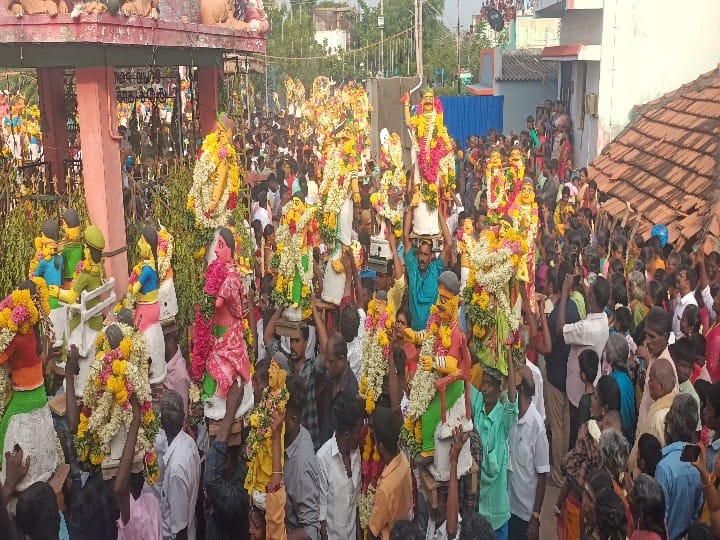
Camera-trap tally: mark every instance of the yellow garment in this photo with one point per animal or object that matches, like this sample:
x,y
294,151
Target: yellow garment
x,y
395,295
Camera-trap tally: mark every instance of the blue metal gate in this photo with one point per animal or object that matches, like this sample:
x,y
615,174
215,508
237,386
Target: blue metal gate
x,y
472,115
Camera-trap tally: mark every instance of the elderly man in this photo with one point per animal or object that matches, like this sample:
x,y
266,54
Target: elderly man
x,y
662,386
658,326
679,479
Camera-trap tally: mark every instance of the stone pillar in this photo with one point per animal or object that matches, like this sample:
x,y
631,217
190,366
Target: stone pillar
x,y
100,144
53,121
208,98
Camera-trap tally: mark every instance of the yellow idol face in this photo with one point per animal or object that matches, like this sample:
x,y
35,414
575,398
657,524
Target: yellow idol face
x,y
468,227
527,194
495,159
144,247
276,375
447,304
428,101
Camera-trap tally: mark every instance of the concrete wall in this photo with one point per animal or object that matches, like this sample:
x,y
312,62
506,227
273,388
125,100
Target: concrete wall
x,y
582,26
521,97
585,133
649,49
333,39
531,32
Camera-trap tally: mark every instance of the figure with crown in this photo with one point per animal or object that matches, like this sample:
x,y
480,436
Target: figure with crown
x,y
433,162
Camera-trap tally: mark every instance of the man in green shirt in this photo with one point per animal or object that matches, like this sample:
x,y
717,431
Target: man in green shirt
x,y
533,132
494,415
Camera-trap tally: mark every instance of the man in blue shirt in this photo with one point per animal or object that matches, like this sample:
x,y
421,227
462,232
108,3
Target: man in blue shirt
x,y
679,479
422,271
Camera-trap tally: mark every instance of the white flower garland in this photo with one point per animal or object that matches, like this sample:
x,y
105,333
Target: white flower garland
x,y
291,254
493,271
202,192
330,185
422,389
375,365
107,417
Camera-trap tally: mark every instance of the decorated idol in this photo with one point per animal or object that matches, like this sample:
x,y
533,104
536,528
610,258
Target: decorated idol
x,y
48,265
339,189
119,371
440,390
216,177
220,354
433,162
72,246
388,200
258,445
89,276
143,287
166,293
293,261
25,418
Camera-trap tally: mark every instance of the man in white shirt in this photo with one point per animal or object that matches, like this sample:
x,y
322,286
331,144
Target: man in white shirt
x,y
339,467
181,478
261,213
528,464
685,285
591,333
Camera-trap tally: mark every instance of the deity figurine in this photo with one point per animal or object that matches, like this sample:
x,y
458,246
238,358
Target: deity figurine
x,y
339,190
216,177
524,214
166,293
496,182
388,201
50,268
25,418
143,287
258,445
72,249
228,359
466,239
433,162
440,391
293,261
88,276
123,114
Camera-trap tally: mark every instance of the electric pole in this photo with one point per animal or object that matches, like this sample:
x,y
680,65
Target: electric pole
x,y
419,37
458,47
381,24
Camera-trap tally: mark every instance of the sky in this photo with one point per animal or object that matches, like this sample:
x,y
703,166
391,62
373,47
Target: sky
x,y
467,8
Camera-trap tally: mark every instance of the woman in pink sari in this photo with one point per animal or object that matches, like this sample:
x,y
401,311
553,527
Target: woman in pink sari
x,y
712,340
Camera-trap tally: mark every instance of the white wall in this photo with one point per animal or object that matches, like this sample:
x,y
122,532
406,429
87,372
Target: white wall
x,y
649,48
585,147
333,39
582,26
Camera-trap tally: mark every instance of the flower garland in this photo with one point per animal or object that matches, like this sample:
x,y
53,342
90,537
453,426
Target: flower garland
x,y
203,340
371,467
375,351
204,179
273,399
342,164
433,152
165,249
494,262
291,246
114,376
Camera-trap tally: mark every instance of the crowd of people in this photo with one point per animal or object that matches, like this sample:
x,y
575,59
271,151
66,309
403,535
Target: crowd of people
x,y
617,406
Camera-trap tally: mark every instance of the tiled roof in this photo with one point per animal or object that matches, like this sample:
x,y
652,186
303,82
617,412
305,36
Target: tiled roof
x,y
527,65
666,164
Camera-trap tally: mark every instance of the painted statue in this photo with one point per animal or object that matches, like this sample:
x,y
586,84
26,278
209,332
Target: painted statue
x,y
88,276
166,293
339,189
216,177
524,214
220,351
19,8
143,288
440,391
433,162
50,268
119,371
293,260
258,445
466,239
222,13
388,200
25,418
72,247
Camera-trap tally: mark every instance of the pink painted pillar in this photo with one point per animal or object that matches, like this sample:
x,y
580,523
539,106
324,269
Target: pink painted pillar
x,y
52,117
100,144
208,99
